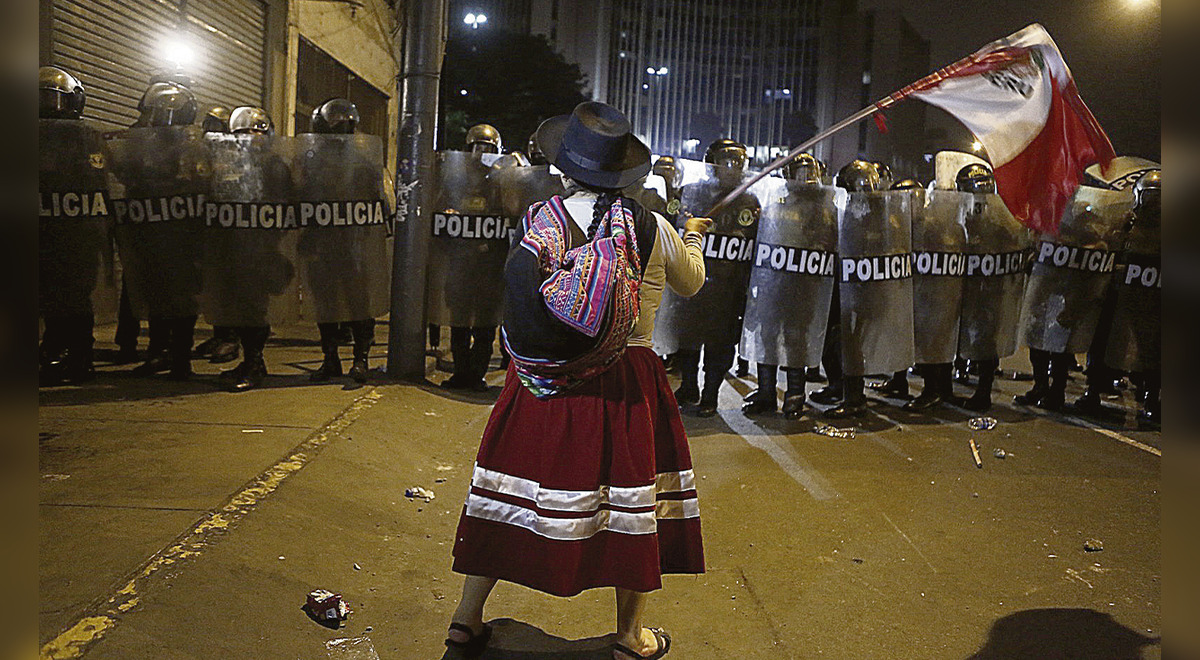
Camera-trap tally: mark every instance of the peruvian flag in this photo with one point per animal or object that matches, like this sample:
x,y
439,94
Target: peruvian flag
x,y
1018,98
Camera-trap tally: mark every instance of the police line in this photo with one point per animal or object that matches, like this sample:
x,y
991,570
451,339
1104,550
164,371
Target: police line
x,y
293,215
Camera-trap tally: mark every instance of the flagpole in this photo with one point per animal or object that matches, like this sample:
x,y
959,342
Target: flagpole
x,y
980,57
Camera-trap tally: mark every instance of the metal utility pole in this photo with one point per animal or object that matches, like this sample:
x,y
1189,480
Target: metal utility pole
x,y
424,46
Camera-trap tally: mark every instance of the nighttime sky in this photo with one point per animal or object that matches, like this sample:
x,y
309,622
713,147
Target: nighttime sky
x,y
1112,46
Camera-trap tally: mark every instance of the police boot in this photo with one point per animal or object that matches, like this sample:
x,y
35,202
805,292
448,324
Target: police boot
x,y
331,365
895,387
793,396
762,400
708,397
205,348
1055,396
830,394
1088,404
743,368
853,403
182,332
813,375
1150,416
364,335
938,379
689,372
253,369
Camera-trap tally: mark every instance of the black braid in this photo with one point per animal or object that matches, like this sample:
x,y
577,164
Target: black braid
x,y
604,202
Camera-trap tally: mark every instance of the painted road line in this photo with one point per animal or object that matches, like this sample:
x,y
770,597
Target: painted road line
x,y
797,468
106,614
1115,436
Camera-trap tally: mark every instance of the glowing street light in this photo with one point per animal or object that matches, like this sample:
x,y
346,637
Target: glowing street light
x,y
178,53
475,20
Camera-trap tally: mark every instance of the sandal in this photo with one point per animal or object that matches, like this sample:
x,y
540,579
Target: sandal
x,y
475,644
664,645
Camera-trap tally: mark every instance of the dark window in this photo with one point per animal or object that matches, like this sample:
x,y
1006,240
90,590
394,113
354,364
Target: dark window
x,y
319,78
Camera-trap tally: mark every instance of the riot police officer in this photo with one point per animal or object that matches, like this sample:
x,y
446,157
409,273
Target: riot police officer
x,y
162,258
471,347
875,289
786,313
72,227
941,235
258,269
223,346
1129,340
340,260
896,386
720,304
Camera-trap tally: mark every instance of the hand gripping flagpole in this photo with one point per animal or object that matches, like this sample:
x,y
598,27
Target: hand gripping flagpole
x,y
980,60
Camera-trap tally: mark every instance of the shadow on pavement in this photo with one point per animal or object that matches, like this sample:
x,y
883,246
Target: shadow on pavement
x,y
1061,633
516,640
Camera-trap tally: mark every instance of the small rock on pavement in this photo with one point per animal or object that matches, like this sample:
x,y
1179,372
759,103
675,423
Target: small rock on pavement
x,y
357,567
999,453
1093,545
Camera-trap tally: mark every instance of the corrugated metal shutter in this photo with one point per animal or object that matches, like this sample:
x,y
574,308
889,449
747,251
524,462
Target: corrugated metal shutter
x,y
113,46
233,32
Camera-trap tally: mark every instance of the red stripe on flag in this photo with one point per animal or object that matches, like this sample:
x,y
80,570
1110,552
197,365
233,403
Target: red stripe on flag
x,y
1038,184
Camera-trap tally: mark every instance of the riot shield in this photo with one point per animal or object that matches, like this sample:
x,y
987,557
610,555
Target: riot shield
x,y
876,287
73,215
994,285
1072,272
250,243
793,275
471,236
1134,344
158,216
714,315
938,239
342,250
520,187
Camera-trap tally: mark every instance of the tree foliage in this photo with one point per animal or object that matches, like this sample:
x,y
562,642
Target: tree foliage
x,y
512,81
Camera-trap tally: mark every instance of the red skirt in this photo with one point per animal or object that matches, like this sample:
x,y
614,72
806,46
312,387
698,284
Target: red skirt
x,y
592,488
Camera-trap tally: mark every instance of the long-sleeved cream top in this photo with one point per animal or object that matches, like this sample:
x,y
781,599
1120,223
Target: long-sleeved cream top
x,y
674,261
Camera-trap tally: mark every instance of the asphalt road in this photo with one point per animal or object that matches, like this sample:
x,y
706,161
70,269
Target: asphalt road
x,y
177,521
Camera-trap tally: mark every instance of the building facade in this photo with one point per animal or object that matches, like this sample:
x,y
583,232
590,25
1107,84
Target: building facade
x,y
286,56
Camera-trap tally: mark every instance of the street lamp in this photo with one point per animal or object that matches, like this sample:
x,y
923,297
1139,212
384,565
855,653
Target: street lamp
x,y
178,53
475,20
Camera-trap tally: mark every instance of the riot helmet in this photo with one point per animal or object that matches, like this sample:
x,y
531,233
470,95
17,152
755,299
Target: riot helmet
x,y
483,139
975,178
727,153
335,116
907,184
216,120
173,76
60,95
248,119
167,104
666,167
1147,192
805,168
859,176
536,155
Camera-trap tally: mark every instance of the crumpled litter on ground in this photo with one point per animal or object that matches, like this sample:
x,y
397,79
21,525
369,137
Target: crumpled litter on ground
x,y
417,492
982,423
834,432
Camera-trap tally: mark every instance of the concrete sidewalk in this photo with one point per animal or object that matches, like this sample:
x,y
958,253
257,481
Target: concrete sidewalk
x,y
178,521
